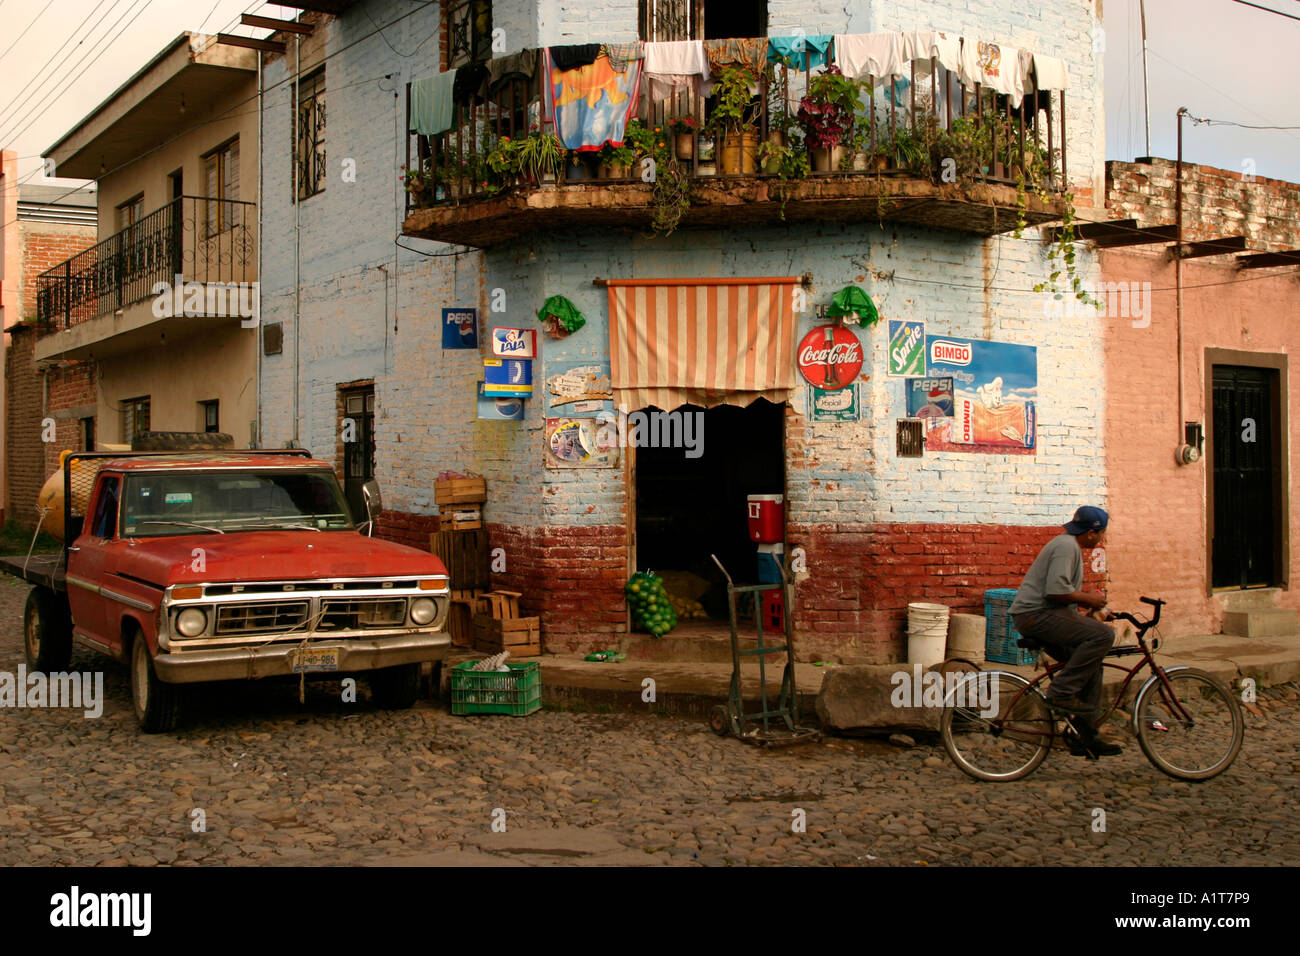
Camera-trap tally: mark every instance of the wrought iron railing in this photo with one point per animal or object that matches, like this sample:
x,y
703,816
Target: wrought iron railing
x,y
905,128
199,239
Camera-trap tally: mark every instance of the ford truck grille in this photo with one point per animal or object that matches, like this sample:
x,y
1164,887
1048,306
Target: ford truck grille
x,y
260,617
359,613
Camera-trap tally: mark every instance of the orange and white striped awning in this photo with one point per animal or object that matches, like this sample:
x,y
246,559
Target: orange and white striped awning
x,y
701,341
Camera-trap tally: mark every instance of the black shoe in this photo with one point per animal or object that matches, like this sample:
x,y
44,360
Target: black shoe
x,y
1068,705
1084,741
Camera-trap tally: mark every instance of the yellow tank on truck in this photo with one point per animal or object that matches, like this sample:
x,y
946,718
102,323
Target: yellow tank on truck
x,y
50,500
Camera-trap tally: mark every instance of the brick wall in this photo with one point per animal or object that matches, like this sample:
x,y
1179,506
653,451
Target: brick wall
x,y
1216,202
1157,541
44,246
24,451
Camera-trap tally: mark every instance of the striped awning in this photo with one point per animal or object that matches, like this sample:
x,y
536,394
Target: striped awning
x,y
701,341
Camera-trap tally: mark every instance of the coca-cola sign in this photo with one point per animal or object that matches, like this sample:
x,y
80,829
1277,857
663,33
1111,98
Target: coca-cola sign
x,y
830,357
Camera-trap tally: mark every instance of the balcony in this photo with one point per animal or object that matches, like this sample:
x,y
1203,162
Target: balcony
x,y
103,300
926,149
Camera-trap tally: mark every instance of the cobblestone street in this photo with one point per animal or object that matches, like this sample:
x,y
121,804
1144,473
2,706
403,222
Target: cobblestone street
x,y
334,783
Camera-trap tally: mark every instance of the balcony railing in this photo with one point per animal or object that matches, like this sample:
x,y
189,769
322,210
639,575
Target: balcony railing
x,y
199,239
905,128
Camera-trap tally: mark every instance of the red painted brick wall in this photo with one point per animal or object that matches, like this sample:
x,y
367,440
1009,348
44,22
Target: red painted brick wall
x,y
42,251
853,604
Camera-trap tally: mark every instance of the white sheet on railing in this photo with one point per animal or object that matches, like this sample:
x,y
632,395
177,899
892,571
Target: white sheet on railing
x,y
928,44
993,66
1050,73
874,55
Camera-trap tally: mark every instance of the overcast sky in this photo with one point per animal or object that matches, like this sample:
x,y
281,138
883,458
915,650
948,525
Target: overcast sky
x,y
1222,60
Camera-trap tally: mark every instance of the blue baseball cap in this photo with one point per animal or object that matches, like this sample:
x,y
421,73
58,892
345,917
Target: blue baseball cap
x,y
1087,519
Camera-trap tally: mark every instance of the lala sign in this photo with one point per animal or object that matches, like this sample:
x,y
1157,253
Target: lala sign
x,y
830,357
514,343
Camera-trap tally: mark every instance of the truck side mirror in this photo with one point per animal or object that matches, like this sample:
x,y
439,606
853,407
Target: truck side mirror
x,y
374,504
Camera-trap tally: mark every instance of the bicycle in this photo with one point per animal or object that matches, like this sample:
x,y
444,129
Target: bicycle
x,y
1187,722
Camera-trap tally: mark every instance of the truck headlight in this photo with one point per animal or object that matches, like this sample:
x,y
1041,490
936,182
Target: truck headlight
x,y
191,622
423,611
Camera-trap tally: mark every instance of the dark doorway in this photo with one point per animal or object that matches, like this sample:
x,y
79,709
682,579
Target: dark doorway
x,y
358,431
176,241
689,508
1246,547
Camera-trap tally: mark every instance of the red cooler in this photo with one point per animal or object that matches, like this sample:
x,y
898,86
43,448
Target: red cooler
x,y
766,518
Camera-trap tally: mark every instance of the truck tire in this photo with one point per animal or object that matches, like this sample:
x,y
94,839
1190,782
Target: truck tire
x,y
157,704
395,688
182,441
47,631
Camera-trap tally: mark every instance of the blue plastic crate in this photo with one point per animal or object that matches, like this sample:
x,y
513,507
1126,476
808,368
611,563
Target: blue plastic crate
x,y
1000,634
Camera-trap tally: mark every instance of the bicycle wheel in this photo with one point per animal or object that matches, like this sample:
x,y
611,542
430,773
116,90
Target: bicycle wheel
x,y
1196,732
995,726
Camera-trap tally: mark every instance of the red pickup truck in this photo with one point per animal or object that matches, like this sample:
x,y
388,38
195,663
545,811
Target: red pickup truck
x,y
227,566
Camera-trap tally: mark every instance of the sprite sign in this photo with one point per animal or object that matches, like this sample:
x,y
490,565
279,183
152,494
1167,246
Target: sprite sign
x,y
906,348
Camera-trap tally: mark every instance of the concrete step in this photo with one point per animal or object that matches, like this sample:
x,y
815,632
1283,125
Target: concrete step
x,y
1261,622
706,642
1251,599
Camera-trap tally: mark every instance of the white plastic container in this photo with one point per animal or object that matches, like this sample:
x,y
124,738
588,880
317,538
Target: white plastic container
x,y
927,633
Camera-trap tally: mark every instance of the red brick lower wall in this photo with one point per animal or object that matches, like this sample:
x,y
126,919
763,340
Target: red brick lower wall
x,y
406,528
851,607
853,604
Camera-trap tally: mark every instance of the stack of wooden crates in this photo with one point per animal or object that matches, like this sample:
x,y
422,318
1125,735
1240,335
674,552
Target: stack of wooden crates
x,y
481,619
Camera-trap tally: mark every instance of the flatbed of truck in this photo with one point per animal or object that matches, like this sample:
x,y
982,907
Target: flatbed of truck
x,y
44,569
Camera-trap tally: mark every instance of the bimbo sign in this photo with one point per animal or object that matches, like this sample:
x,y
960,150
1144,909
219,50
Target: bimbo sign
x,y
943,352
830,357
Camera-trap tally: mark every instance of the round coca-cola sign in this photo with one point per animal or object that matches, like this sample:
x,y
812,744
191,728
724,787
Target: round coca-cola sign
x,y
830,357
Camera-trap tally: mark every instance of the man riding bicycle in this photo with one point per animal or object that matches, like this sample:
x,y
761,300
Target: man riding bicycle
x,y
1044,611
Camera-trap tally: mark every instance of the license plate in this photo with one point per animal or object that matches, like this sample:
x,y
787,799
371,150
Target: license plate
x,y
312,659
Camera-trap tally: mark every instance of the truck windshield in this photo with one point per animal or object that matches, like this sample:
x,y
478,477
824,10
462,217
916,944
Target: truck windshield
x,y
206,502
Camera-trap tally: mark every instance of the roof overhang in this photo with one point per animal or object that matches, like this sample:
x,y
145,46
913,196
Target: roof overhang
x,y
146,110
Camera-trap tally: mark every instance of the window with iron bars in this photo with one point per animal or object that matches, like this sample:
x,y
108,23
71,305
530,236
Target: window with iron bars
x,y
469,31
309,147
135,417
668,20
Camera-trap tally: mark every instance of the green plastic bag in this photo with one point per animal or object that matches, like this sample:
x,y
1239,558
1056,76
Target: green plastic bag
x,y
652,609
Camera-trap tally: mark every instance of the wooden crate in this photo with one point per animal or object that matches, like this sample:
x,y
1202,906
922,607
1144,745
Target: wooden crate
x,y
501,605
460,491
465,555
521,636
460,624
449,518
467,596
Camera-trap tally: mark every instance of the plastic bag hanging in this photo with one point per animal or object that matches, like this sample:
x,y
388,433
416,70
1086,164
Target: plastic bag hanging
x,y
852,301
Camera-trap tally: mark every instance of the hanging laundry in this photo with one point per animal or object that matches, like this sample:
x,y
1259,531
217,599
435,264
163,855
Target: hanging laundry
x,y
621,54
802,53
676,65
591,104
575,55
928,44
750,53
431,103
1049,73
521,65
875,55
468,82
992,66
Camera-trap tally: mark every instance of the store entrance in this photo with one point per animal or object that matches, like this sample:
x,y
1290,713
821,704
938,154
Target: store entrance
x,y
688,508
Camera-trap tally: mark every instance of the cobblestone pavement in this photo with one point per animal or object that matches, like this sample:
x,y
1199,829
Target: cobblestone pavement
x,y
333,783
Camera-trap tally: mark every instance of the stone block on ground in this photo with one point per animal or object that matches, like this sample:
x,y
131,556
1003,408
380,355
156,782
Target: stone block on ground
x,y
861,697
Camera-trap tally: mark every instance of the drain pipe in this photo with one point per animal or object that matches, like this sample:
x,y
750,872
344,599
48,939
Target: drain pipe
x,y
261,199
297,228
1184,453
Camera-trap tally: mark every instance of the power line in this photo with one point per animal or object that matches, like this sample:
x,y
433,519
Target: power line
x,y
1244,3
29,26
51,63
57,89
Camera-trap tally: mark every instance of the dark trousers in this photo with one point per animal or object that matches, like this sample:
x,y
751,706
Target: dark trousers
x,y
1080,642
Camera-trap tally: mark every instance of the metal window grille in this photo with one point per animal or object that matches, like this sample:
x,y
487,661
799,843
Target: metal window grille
x,y
469,31
309,149
911,437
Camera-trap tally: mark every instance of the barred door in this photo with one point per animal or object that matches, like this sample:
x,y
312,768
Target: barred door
x,y
1246,471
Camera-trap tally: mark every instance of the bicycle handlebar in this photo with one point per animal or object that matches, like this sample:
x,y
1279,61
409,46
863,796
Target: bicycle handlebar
x,y
1142,626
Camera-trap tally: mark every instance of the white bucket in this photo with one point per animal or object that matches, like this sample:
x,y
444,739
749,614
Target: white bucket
x,y
966,636
927,633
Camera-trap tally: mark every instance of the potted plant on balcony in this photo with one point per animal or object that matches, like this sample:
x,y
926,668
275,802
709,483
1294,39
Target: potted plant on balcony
x,y
645,141
827,113
502,161
420,184
732,119
684,129
788,163
616,161
540,156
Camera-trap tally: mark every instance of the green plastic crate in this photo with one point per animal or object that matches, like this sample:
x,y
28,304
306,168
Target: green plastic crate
x,y
495,692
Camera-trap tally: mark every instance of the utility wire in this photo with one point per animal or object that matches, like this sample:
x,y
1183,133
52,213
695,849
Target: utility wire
x,y
29,26
18,96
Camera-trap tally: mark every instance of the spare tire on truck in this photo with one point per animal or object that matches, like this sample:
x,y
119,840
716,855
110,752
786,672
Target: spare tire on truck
x,y
182,441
